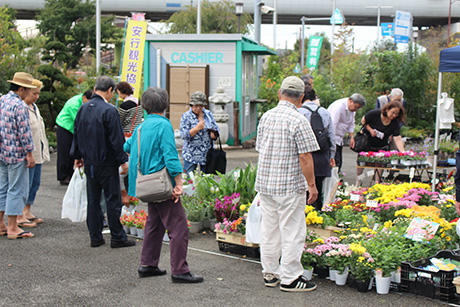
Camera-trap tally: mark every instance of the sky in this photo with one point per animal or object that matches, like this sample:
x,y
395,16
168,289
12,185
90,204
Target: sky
x,y
286,34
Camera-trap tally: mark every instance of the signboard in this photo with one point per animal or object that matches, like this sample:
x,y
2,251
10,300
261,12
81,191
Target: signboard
x,y
387,29
337,18
314,48
133,54
402,27
420,230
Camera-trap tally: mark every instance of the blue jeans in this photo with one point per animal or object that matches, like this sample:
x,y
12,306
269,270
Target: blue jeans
x,y
34,182
190,167
14,187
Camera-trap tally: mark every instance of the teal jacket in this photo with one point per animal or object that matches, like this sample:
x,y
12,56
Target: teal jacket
x,y
158,150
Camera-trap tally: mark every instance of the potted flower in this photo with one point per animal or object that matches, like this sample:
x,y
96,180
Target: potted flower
x,y
124,222
308,260
141,218
361,267
339,259
195,210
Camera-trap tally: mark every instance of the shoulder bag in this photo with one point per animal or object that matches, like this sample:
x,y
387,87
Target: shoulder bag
x,y
216,160
155,187
361,140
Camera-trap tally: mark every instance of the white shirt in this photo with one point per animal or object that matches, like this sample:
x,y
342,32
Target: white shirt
x,y
343,119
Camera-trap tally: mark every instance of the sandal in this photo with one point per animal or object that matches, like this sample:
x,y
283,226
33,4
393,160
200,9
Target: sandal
x,y
36,220
27,224
24,234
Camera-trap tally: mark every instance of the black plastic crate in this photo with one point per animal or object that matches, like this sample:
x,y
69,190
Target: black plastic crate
x,y
251,252
436,285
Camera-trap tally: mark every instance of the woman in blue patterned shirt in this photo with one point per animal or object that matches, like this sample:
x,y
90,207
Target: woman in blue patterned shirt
x,y
198,129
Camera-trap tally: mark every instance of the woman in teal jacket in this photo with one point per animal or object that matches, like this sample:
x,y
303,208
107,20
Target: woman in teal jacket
x,y
158,150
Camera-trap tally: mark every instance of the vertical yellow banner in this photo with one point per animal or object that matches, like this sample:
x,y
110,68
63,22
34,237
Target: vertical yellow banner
x,y
133,54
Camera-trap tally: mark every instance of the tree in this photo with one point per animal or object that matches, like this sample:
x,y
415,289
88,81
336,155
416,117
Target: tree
x,y
216,17
70,27
11,48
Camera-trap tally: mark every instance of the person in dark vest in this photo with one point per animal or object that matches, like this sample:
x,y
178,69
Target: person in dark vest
x,y
98,141
323,159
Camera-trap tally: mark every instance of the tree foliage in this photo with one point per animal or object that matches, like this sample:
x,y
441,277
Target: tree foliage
x,y
371,74
70,28
216,17
13,57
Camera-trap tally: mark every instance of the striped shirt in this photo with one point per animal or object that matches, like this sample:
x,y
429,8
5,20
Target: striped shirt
x,y
282,135
15,134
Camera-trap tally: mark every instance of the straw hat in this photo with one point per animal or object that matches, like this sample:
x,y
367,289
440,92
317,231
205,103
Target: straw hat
x,y
37,83
23,79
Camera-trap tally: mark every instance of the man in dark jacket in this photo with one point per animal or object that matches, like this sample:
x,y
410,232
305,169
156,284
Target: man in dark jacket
x,y
98,141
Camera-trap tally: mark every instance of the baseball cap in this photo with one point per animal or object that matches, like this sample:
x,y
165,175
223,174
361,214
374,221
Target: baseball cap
x,y
293,83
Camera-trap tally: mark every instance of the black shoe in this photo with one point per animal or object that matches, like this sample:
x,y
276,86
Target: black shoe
x,y
147,271
119,244
299,285
97,243
187,278
65,181
271,280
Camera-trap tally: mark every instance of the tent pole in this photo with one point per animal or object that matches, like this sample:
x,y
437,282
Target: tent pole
x,y
436,134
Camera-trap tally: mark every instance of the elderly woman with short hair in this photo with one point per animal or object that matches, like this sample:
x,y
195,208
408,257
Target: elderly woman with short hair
x,y
198,129
158,150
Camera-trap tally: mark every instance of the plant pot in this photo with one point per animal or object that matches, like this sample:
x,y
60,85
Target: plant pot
x,y
133,230
322,272
341,278
332,274
140,233
394,162
382,284
212,224
396,276
196,227
362,286
308,274
126,229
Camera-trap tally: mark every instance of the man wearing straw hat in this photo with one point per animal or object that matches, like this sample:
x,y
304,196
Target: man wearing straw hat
x,y
16,146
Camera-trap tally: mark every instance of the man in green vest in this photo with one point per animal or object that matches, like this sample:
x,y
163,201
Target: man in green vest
x,y
64,135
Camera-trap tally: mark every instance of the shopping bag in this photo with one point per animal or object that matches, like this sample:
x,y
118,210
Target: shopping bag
x,y
253,222
330,185
216,160
75,201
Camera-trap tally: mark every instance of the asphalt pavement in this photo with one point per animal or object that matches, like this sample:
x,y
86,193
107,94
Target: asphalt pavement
x,y
58,268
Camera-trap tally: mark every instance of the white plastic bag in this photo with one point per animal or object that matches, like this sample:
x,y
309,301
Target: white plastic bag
x,y
330,185
254,221
75,201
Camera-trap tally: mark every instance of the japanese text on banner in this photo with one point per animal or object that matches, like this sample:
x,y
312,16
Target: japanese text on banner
x,y
314,48
133,54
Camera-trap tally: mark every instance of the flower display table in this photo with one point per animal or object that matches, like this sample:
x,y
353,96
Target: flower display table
x,y
236,243
324,233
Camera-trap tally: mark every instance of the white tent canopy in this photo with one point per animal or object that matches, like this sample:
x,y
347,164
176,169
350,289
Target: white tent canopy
x,y
449,61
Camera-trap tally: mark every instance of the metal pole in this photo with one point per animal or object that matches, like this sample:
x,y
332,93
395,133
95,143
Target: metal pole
x,y
239,24
378,25
448,24
98,36
436,134
257,21
332,37
302,44
198,17
275,20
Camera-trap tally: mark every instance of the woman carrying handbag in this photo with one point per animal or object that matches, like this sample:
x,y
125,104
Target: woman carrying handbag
x,y
157,151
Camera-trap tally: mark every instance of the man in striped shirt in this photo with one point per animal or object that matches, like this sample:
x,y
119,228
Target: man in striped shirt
x,y
285,141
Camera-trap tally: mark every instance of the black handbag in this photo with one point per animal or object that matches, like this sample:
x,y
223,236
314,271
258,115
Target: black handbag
x,y
361,140
216,160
